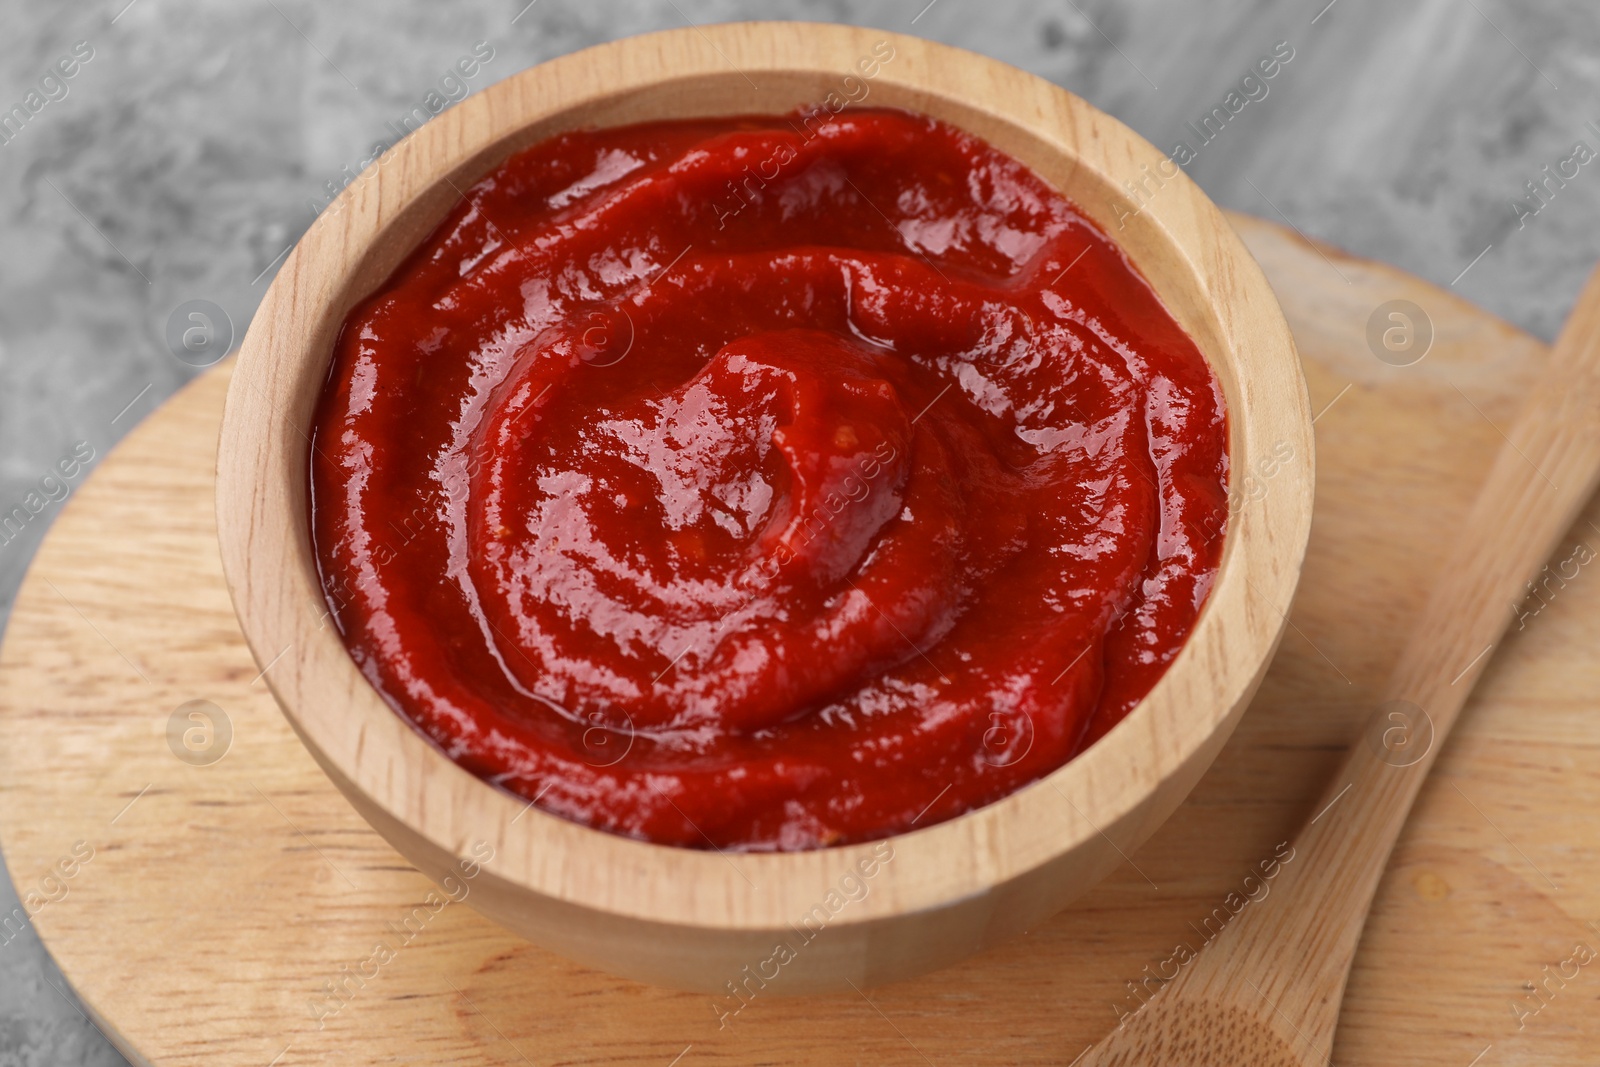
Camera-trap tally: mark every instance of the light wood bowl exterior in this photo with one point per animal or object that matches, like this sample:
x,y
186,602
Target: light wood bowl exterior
x,y
700,919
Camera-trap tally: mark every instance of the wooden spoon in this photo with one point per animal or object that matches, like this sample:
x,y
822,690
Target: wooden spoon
x,y
1265,992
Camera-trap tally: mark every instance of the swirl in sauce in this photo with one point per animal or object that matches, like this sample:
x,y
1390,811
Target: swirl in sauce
x,y
764,484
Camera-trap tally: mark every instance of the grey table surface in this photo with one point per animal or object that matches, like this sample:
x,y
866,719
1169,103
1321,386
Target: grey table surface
x,y
188,149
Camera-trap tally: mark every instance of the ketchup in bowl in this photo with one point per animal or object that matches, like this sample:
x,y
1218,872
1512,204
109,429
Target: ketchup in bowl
x,y
766,482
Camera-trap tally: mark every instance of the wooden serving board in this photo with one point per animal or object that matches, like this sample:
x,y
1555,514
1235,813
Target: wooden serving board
x,y
223,901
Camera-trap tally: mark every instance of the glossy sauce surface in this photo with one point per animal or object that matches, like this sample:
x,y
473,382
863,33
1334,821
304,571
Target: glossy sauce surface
x,y
766,483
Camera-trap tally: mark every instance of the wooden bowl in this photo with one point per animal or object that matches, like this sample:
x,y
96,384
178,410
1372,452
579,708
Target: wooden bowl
x,y
701,919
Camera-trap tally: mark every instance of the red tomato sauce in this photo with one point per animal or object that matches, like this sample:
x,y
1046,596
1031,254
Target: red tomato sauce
x,y
766,482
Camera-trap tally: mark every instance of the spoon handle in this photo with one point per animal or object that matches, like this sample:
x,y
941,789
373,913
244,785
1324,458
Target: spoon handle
x,y
1282,963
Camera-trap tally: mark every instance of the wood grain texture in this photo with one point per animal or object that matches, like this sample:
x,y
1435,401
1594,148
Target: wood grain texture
x,y
700,919
1267,990
219,904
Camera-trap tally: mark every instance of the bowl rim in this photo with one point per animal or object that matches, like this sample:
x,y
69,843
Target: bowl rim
x,y
1161,747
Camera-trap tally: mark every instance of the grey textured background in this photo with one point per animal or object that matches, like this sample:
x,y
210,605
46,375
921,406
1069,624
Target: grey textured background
x,y
187,154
